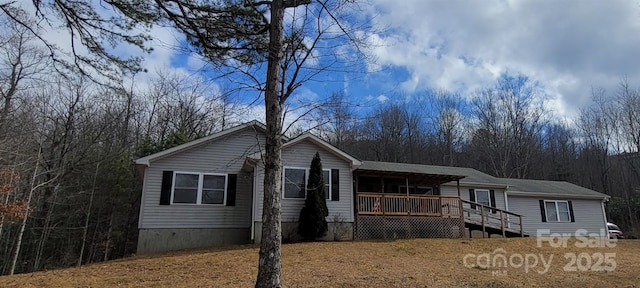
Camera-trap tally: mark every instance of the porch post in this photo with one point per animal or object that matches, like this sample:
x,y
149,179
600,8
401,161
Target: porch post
x,y
407,185
458,184
407,202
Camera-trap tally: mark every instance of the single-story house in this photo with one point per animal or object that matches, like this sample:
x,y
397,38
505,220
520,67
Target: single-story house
x,y
209,192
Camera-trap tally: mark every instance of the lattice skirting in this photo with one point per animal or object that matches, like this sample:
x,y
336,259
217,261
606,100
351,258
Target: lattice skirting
x,y
403,227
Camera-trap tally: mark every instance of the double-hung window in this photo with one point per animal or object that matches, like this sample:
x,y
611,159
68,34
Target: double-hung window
x,y
482,197
557,211
198,188
485,197
326,174
295,183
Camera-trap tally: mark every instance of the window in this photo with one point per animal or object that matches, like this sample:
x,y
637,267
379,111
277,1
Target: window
x,y
296,179
185,189
485,197
482,197
557,211
198,188
326,174
213,189
295,183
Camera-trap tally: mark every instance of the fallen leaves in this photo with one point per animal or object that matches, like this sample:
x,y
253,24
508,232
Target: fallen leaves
x,y
401,263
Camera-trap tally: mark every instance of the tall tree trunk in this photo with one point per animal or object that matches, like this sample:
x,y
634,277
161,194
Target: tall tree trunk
x,y
32,189
269,266
108,241
46,229
86,221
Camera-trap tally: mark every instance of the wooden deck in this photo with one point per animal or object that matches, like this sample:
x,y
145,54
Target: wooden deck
x,y
489,220
398,204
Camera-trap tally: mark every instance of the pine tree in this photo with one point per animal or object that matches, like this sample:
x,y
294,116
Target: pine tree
x,y
313,222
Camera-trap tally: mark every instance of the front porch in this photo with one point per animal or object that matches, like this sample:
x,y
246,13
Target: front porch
x,y
388,216
409,204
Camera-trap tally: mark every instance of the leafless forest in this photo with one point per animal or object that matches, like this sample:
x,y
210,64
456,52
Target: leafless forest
x,y
70,194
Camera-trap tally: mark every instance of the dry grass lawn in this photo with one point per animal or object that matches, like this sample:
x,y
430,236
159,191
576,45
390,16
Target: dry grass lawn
x,y
400,263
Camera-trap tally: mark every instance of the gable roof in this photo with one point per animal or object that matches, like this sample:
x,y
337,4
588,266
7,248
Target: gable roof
x,y
355,163
198,142
528,187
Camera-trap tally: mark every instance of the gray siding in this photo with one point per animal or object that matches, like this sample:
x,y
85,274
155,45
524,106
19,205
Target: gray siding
x,y
587,213
300,156
223,155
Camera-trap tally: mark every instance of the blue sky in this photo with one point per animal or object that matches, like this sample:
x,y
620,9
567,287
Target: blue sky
x,y
565,47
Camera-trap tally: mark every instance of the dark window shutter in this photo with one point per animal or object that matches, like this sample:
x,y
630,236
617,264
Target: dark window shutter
x,y
543,211
492,197
232,180
573,219
335,185
165,190
472,198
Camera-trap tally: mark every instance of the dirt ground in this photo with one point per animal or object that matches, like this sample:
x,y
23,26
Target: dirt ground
x,y
400,263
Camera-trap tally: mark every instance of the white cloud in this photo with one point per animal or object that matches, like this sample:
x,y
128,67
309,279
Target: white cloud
x,y
381,98
566,46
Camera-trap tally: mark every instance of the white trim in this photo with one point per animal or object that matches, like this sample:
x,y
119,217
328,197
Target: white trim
x,y
506,207
306,181
327,191
284,171
604,215
561,196
475,184
557,210
475,195
200,187
254,203
506,201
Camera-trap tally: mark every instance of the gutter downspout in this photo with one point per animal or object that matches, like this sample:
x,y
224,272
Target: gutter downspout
x,y
506,205
604,216
253,205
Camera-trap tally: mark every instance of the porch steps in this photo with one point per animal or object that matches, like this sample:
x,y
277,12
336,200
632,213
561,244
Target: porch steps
x,y
492,229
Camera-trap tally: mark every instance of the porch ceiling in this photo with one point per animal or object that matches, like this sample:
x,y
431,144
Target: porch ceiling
x,y
434,179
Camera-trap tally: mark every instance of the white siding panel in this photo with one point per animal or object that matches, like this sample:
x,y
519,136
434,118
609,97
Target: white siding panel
x,y
588,215
224,155
300,155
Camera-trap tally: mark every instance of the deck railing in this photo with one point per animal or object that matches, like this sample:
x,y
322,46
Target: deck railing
x,y
487,216
402,204
439,206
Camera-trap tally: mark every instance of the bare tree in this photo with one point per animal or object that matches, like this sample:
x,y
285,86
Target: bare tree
x,y
628,104
33,187
509,121
387,133
96,32
20,61
237,39
595,127
341,120
448,122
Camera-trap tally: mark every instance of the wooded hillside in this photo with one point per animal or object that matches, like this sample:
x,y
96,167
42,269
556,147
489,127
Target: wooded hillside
x,y
70,194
